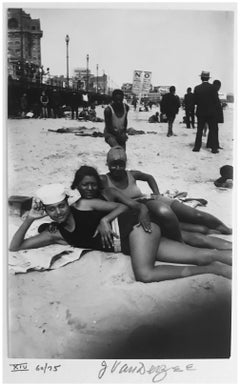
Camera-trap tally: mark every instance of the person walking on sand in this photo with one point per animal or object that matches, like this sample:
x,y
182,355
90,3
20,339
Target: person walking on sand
x,y
169,106
189,108
115,115
206,99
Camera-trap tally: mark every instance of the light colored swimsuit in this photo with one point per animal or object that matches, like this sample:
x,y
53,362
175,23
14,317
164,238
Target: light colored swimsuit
x,y
118,122
133,191
118,131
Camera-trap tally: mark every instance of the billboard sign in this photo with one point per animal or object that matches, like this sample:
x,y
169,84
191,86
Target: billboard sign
x,y
146,85
141,82
137,82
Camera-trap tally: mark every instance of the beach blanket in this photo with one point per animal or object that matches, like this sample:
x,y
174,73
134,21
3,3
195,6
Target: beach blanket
x,y
42,259
182,197
52,256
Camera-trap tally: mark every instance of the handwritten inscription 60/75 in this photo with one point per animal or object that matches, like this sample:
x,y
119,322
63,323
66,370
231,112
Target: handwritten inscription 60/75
x,y
16,367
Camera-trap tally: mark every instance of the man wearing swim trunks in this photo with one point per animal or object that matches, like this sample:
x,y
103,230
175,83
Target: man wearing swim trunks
x,y
115,116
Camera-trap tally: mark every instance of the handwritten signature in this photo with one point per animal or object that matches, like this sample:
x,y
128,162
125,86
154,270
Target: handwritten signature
x,y
158,373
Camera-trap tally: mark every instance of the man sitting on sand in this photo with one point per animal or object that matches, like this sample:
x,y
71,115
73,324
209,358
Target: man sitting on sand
x,y
115,116
226,179
154,118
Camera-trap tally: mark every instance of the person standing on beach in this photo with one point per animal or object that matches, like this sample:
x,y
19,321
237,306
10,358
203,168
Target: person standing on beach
x,y
115,115
220,119
206,99
169,106
23,105
189,108
44,100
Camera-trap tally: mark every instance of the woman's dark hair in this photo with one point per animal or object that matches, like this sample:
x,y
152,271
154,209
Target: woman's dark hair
x,y
84,171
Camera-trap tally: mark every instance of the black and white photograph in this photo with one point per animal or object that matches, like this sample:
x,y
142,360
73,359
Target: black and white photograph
x,y
120,164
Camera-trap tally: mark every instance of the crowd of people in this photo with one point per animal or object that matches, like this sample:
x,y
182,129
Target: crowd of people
x,y
58,104
203,104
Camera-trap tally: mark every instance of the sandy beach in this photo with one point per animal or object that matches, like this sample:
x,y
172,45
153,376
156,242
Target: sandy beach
x,y
93,308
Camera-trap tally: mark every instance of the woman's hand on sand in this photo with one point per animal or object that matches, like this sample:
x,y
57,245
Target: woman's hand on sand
x,y
106,232
37,210
144,219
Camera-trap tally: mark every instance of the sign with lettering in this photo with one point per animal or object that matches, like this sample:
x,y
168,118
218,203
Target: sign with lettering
x,y
146,85
141,82
137,82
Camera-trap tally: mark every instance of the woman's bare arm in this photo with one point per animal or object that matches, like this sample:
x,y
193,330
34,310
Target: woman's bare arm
x,y
148,178
113,194
41,240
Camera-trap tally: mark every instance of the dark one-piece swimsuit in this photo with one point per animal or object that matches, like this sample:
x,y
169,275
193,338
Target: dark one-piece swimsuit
x,y
87,223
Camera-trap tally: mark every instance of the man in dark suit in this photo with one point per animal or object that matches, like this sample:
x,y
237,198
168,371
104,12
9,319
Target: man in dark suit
x,y
169,106
189,107
220,118
206,99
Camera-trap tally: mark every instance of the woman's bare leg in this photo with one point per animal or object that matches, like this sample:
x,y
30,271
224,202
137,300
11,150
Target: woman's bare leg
x,y
171,251
166,219
144,248
190,215
200,240
194,228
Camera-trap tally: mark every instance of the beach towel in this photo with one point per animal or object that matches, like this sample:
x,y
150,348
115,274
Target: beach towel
x,y
182,197
42,259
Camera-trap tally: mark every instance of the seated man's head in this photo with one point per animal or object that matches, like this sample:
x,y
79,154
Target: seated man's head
x,y
117,96
116,161
54,200
172,89
226,172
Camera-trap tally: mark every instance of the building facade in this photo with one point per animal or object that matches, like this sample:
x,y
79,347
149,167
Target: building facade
x,y
24,43
83,79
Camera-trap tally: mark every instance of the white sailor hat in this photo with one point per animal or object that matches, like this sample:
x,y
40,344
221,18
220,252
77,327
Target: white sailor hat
x,y
51,194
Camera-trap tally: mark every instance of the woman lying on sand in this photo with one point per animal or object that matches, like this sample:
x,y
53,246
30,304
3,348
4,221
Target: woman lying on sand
x,y
194,224
76,225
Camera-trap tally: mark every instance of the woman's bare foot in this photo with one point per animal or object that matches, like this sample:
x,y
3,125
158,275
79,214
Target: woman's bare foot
x,y
224,229
221,269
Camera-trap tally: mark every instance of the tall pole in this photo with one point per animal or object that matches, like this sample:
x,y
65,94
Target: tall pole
x,y
97,78
104,80
67,58
87,70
